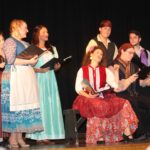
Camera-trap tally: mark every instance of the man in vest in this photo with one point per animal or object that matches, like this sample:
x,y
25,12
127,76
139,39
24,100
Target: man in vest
x,y
135,40
141,57
103,41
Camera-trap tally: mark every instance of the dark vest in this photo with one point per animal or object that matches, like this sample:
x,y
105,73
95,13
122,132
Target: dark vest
x,y
136,59
132,89
109,51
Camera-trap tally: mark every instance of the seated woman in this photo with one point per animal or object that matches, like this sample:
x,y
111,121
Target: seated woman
x,y
130,82
108,116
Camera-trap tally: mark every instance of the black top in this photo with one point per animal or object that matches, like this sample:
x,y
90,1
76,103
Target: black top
x,y
2,60
109,51
132,89
144,69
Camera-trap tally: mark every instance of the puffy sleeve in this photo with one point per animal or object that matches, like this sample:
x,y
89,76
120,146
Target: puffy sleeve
x,y
9,50
148,52
55,52
90,44
116,52
79,78
110,79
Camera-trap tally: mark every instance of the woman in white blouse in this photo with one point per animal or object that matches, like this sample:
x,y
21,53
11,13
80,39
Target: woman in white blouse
x,y
108,116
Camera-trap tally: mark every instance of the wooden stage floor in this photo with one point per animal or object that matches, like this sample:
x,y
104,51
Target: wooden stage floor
x,y
140,145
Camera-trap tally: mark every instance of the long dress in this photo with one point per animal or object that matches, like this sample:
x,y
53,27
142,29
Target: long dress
x,y
49,102
107,115
20,101
1,70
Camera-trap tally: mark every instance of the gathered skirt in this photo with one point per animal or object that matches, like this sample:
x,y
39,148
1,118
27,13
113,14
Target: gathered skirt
x,y
28,120
107,117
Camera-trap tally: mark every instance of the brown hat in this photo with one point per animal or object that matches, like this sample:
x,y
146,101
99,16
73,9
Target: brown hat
x,y
106,23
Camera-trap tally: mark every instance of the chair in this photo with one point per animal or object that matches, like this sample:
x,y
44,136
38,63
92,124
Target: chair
x,y
73,121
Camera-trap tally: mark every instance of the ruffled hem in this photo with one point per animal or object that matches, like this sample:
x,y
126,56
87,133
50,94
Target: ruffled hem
x,y
24,129
111,129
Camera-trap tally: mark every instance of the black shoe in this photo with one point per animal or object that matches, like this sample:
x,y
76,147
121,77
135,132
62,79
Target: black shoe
x,y
127,139
141,137
100,142
147,135
3,144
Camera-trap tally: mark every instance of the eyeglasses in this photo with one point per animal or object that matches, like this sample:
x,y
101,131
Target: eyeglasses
x,y
131,53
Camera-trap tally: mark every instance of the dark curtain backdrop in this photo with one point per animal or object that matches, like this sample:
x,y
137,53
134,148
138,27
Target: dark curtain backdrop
x,y
72,23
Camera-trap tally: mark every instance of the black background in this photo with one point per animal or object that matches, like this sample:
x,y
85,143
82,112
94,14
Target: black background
x,y
72,23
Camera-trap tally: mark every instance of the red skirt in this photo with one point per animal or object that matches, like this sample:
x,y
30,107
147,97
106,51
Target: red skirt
x,y
106,118
98,107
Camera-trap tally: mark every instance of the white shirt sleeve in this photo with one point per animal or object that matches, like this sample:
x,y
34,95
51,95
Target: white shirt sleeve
x,y
110,79
90,44
116,52
148,52
79,78
55,52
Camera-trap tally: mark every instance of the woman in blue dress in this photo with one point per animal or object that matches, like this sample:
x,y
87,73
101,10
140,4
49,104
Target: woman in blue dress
x,y
49,95
2,64
20,100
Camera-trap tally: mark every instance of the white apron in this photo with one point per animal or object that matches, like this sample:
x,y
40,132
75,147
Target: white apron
x,y
23,88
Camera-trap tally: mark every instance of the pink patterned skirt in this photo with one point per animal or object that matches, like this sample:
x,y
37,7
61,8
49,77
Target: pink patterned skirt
x,y
107,117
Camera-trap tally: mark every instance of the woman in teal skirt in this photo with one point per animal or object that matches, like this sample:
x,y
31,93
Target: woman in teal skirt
x,y
49,95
